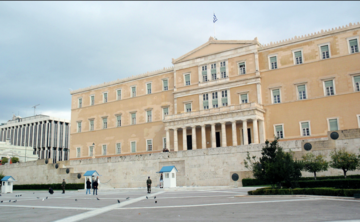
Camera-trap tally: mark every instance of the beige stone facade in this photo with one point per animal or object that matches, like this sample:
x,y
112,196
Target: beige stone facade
x,y
225,93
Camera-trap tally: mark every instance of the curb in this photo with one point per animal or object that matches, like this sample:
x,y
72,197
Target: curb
x,y
313,196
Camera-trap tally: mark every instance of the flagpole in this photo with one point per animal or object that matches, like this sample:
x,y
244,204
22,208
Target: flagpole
x,y
214,25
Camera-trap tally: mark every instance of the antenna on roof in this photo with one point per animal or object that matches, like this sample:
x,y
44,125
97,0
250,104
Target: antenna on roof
x,y
35,108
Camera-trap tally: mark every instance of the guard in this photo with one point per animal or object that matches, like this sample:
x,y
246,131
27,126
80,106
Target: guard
x,y
148,183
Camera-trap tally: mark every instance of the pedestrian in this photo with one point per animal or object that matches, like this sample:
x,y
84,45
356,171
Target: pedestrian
x,y
148,183
88,186
161,181
95,187
63,186
51,191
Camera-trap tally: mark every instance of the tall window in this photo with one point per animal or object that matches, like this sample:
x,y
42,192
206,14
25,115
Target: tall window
x,y
213,71
276,96
298,57
244,98
354,47
118,120
133,147
215,100
206,101
279,131
133,91
165,84
305,128
188,107
118,94
224,99
164,142
79,127
325,52
273,62
91,150
105,97
118,148
357,83
104,123
302,92
78,154
333,124
223,69
92,100
149,145
149,116
80,103
91,124
187,79
104,149
329,87
204,73
133,118
165,112
148,86
242,69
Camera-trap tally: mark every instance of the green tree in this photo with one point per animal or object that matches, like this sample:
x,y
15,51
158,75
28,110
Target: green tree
x,y
4,160
344,160
314,163
14,159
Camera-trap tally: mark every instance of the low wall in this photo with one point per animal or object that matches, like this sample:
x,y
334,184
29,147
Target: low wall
x,y
201,167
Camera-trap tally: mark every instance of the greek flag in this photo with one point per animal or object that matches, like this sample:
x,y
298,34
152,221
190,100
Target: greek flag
x,y
215,19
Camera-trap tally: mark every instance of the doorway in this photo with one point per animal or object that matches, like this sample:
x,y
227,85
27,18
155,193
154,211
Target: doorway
x,y
248,135
217,139
189,142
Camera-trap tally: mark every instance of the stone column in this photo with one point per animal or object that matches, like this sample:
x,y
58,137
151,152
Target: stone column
x,y
175,139
193,137
234,134
168,139
223,134
262,131
246,142
213,138
255,130
184,139
203,137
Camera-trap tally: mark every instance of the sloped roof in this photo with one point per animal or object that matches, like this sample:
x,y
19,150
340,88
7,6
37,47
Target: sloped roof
x,y
91,173
8,178
167,169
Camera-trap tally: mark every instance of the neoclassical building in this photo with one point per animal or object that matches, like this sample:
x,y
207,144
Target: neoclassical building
x,y
225,93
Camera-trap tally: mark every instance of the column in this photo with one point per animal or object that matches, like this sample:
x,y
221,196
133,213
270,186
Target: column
x,y
168,139
175,139
213,138
223,135
234,134
262,131
184,139
246,142
203,137
255,130
193,137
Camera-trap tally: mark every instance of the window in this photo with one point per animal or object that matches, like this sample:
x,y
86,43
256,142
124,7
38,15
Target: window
x,y
164,142
188,107
244,98
279,131
133,91
92,100
79,127
329,88
204,73
273,62
298,57
215,100
325,51
213,71
353,44
242,68
187,79
118,94
305,128
80,103
206,101
104,149
165,84
224,99
302,92
148,87
105,98
133,147
118,148
104,123
223,69
173,175
165,112
358,119
78,154
91,150
91,124
333,124
133,118
149,116
166,175
357,83
118,120
149,145
276,96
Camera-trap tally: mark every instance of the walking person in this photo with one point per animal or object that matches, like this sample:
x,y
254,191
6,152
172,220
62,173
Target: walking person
x,y
63,186
148,183
88,186
161,181
95,187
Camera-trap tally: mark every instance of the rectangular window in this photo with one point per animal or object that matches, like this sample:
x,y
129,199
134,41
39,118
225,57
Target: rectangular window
x,y
305,128
187,79
148,86
92,100
118,94
78,154
133,147
165,83
118,120
279,131
325,52
91,124
104,123
149,116
298,57
133,118
276,96
133,91
224,99
166,175
273,62
357,83
333,124
215,100
329,88
105,98
79,127
213,71
302,92
80,103
223,69
165,112
91,150
242,70
118,148
354,47
244,98
149,145
206,101
104,150
164,142
188,107
204,73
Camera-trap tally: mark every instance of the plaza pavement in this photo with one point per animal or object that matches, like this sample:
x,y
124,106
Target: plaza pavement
x,y
182,204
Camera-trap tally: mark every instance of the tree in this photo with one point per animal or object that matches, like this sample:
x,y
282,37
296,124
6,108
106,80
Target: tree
x,y
4,160
344,160
14,159
314,163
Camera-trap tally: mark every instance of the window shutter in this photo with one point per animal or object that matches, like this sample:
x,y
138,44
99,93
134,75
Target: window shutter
x,y
187,78
214,101
297,54
301,88
149,85
353,42
188,106
205,102
213,71
242,64
224,100
333,124
149,113
165,110
133,115
244,97
165,83
133,89
272,59
223,69
305,125
357,78
329,83
276,92
204,73
133,147
278,128
324,48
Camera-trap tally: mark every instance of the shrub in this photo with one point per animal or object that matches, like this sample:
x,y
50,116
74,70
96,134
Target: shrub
x,y
306,191
344,184
252,182
55,186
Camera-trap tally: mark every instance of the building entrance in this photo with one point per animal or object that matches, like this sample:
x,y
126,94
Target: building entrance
x,y
189,142
217,139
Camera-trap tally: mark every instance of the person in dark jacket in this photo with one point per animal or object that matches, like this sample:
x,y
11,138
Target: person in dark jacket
x,y
95,187
148,183
88,186
51,191
63,186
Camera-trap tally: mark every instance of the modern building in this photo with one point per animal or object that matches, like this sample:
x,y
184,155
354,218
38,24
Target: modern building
x,y
48,136
225,93
24,153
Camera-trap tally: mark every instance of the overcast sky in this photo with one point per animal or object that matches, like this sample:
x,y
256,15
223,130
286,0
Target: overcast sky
x,y
47,48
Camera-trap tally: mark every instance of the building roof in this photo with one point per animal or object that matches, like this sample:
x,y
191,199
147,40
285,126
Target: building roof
x,y
91,173
8,178
167,169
